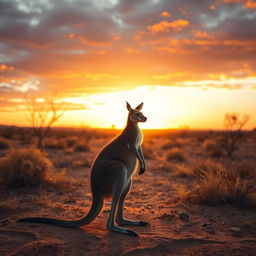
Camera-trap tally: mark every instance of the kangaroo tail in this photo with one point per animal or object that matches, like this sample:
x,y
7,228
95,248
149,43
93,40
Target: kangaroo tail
x,y
96,207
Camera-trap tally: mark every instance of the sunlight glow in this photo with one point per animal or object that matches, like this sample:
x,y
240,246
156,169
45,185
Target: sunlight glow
x,y
165,107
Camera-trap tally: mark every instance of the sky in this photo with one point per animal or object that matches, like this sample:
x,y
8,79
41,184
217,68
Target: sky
x,y
189,61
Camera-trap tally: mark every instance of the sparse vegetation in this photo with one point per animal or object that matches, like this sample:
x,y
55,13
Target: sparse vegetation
x,y
175,154
218,184
24,167
53,143
184,171
172,144
71,141
213,148
42,115
82,146
4,143
232,134
187,184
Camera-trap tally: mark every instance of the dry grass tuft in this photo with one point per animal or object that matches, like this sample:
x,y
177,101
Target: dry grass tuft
x,y
172,144
82,146
175,154
24,167
61,178
71,141
217,185
53,143
213,148
4,143
183,171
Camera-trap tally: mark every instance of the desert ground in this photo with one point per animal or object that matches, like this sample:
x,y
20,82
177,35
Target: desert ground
x,y
188,215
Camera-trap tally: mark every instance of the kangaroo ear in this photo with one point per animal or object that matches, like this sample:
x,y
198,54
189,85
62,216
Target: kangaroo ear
x,y
139,107
128,106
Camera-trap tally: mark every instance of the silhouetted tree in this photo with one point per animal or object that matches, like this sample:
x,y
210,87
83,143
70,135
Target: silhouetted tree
x,y
42,114
232,134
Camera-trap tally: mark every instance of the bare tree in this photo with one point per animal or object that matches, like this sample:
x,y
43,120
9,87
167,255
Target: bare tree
x,y
42,114
232,134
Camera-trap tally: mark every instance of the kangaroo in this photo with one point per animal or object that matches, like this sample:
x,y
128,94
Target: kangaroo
x,y
111,176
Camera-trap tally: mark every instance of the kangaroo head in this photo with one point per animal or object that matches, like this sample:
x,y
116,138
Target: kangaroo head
x,y
134,114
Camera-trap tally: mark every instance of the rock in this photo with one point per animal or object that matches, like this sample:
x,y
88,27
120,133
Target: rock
x,y
209,228
5,222
69,201
235,229
184,216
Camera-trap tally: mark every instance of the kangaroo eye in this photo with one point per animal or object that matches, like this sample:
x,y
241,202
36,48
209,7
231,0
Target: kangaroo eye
x,y
137,114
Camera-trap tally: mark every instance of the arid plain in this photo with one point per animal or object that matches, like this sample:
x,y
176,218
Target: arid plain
x,y
197,200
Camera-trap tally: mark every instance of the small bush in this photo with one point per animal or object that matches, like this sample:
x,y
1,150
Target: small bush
x,y
218,185
55,144
24,167
82,146
183,171
211,183
175,154
213,148
172,144
71,141
4,143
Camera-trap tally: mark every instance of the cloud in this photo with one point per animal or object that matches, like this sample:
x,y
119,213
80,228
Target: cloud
x,y
164,26
19,86
4,67
131,50
86,46
165,14
250,4
169,76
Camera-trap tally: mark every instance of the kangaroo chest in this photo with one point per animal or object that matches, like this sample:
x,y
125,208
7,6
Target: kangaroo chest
x,y
138,140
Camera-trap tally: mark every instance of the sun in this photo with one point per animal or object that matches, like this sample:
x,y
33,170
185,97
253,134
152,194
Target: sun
x,y
107,110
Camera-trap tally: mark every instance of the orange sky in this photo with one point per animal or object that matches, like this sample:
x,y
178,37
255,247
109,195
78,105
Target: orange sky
x,y
189,61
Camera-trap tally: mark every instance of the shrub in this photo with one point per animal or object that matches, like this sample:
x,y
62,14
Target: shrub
x,y
71,141
217,185
183,171
55,144
213,148
24,167
232,134
175,154
82,146
4,143
211,183
172,144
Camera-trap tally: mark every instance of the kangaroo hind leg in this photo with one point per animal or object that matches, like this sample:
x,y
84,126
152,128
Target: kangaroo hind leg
x,y
118,189
119,217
